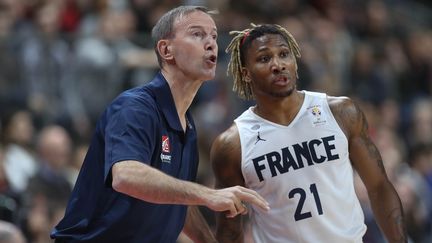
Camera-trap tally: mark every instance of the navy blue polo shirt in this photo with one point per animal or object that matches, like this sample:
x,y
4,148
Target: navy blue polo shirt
x,y
141,124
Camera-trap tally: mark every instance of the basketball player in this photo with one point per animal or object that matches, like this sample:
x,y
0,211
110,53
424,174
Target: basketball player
x,y
298,150
136,182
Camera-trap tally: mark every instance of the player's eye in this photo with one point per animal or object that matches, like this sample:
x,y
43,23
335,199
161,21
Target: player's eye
x,y
263,59
284,54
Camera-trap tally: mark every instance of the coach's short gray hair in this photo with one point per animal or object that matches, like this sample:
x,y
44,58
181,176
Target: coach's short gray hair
x,y
164,28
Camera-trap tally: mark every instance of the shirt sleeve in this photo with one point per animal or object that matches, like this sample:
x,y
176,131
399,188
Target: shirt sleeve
x,y
130,135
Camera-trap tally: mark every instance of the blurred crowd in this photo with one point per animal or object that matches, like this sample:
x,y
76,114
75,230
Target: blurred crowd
x,y
63,61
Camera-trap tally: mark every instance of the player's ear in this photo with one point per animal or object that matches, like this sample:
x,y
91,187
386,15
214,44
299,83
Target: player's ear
x,y
164,49
246,75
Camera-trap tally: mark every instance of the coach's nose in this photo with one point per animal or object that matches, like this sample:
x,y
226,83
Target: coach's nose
x,y
211,44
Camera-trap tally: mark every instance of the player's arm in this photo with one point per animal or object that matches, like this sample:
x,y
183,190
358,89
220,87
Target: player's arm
x,y
225,157
196,227
144,182
367,161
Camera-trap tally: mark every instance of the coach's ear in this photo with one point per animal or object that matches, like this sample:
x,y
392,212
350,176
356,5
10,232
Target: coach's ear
x,y
164,49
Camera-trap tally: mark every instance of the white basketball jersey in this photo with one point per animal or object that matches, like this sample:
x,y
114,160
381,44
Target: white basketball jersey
x,y
303,170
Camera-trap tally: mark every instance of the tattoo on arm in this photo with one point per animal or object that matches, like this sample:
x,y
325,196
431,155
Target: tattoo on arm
x,y
376,155
398,219
369,145
384,199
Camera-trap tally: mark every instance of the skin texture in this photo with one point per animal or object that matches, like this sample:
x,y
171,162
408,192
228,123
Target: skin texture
x,y
189,58
270,68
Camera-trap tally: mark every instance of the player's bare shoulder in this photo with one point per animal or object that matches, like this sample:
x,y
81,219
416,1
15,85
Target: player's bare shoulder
x,y
226,145
347,113
225,157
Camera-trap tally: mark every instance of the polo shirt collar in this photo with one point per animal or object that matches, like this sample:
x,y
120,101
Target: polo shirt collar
x,y
166,103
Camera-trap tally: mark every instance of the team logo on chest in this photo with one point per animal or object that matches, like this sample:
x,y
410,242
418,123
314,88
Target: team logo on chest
x,y
166,150
259,138
316,112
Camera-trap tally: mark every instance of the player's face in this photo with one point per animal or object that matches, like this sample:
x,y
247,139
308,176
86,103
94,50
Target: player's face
x,y
270,67
194,46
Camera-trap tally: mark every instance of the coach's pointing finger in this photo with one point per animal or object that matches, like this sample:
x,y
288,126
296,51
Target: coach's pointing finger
x,y
252,197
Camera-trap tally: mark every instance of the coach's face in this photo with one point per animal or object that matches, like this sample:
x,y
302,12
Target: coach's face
x,y
270,67
194,48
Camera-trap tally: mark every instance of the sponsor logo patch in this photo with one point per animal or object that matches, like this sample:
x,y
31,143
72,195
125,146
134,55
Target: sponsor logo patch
x,y
165,144
166,150
316,113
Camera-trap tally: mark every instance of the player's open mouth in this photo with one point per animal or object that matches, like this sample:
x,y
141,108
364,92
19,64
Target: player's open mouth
x,y
281,80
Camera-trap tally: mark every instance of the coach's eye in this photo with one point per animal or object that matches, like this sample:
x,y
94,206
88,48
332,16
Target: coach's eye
x,y
198,34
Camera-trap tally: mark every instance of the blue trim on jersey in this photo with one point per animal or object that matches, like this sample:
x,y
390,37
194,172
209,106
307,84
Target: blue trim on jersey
x,y
140,124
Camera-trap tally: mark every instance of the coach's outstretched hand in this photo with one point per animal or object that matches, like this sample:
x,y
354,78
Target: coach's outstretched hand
x,y
233,199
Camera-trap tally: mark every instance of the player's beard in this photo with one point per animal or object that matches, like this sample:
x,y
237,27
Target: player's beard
x,y
281,94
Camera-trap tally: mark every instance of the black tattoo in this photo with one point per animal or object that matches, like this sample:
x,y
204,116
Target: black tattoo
x,y
370,146
397,218
361,120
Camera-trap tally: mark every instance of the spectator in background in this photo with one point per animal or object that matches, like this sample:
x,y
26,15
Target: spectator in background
x,y
416,200
366,79
420,160
416,81
10,233
9,206
420,129
4,185
11,85
48,189
104,62
18,165
46,61
19,162
54,153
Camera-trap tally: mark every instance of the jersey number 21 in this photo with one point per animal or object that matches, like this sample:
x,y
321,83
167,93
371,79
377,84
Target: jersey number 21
x,y
299,215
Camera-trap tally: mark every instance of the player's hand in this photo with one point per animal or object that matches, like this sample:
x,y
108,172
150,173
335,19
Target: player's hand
x,y
233,200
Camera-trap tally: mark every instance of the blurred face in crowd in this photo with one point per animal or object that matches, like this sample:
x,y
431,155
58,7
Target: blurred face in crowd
x,y
55,147
10,233
193,47
270,66
20,129
48,18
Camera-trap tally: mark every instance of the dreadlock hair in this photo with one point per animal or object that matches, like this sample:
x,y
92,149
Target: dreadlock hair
x,y
241,42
